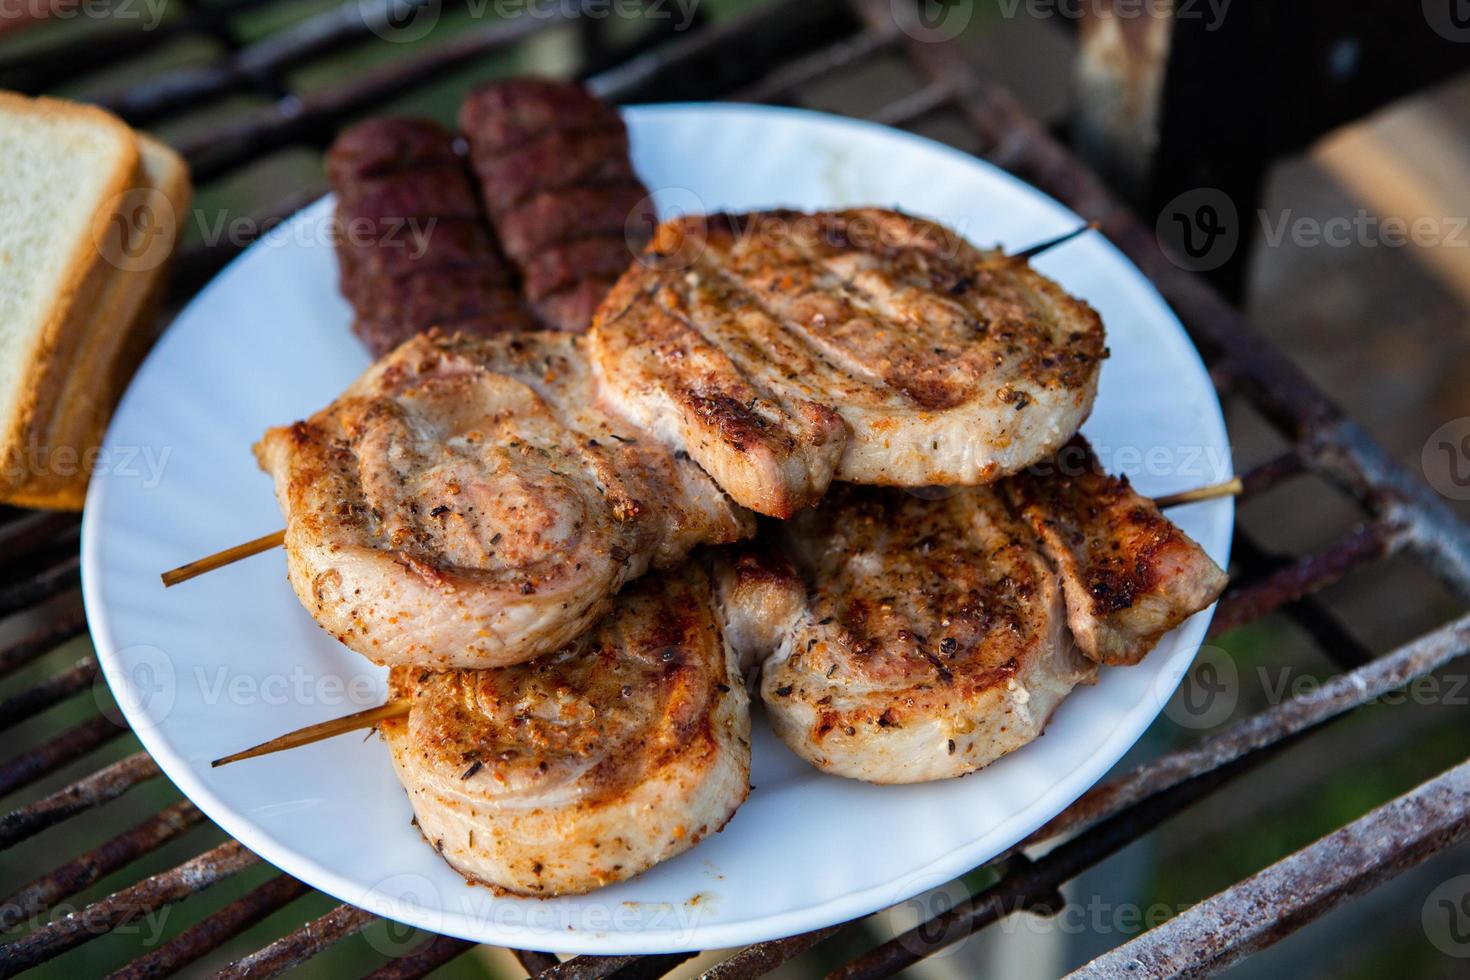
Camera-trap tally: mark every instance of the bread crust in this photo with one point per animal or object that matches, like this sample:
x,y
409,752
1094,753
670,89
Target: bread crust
x,y
92,338
52,350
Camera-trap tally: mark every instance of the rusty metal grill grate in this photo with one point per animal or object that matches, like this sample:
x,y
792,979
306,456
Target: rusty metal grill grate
x,y
775,54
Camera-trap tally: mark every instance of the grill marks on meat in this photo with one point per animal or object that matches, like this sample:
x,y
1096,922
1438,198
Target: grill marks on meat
x,y
414,249
1130,575
469,502
909,639
786,350
903,639
558,182
590,764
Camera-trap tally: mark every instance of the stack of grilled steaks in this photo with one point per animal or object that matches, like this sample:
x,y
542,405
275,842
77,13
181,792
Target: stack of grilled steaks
x,y
831,458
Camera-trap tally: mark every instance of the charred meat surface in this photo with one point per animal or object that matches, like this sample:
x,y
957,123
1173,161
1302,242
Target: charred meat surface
x,y
591,764
1129,573
470,502
414,249
910,640
556,178
785,350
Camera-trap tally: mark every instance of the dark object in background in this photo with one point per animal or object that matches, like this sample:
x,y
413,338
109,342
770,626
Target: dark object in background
x,y
413,246
556,178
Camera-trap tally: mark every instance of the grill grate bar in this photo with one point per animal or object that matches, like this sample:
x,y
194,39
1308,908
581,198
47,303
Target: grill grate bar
x,y
33,531
1272,904
55,579
297,947
124,906
66,626
295,120
100,787
1245,603
215,930
26,768
778,85
254,66
59,64
43,893
52,691
431,954
534,962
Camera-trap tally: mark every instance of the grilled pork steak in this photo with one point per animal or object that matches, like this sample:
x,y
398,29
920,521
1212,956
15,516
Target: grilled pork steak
x,y
470,502
590,764
902,639
1129,574
413,247
914,639
784,350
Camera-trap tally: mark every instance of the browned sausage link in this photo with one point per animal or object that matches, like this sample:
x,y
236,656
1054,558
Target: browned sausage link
x,y
557,181
413,245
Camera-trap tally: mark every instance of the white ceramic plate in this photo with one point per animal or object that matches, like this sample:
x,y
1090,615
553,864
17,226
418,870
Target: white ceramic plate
x,y
231,659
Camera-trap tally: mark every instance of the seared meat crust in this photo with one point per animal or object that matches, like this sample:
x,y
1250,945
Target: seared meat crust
x,y
469,502
784,350
556,178
1130,574
413,246
588,765
912,640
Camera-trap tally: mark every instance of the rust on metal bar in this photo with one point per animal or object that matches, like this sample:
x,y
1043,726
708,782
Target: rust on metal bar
x,y
428,956
192,87
101,917
43,893
297,947
67,625
1276,724
212,932
69,746
100,787
51,691
1272,473
1250,602
221,150
534,962
761,958
1272,904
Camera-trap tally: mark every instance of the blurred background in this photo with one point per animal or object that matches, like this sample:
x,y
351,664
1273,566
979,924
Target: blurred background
x,y
1312,162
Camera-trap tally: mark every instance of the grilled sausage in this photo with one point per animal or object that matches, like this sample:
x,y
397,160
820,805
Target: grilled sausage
x,y
555,176
414,248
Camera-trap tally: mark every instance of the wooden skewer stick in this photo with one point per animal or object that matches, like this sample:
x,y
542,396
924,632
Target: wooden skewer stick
x,y
1230,488
1032,251
221,558
322,730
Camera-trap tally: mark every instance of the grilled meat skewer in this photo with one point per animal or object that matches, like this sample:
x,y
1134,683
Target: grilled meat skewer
x,y
586,766
472,502
912,639
784,350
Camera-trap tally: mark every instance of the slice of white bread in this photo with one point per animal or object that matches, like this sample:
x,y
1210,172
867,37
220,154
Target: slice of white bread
x,y
89,212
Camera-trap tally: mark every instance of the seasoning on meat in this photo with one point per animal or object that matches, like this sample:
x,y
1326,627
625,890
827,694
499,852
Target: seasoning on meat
x,y
783,350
